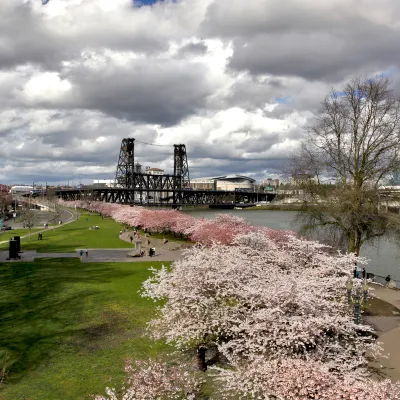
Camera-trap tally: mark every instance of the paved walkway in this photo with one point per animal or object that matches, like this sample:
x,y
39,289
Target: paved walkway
x,y
169,251
388,329
67,217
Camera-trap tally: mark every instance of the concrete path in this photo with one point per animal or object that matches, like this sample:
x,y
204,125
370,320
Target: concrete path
x,y
122,255
388,329
67,217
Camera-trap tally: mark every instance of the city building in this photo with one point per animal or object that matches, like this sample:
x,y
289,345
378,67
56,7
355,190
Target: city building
x,y
302,179
203,184
226,182
154,171
270,182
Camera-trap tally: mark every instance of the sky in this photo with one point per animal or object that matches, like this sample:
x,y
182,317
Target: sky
x,y
235,81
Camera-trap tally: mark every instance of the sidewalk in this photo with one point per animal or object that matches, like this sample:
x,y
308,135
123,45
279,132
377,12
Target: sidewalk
x,y
68,217
389,333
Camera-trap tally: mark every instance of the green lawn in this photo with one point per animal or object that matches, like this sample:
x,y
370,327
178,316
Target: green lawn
x,y
67,327
7,235
76,235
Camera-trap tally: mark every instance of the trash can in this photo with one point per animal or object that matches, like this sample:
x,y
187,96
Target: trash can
x,y
12,250
18,240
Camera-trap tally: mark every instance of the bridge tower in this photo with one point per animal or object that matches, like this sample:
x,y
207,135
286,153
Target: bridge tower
x,y
125,167
181,172
181,167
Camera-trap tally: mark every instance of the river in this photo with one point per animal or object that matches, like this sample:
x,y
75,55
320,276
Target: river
x,y
384,256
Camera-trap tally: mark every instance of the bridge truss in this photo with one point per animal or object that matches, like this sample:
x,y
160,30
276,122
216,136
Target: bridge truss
x,y
165,197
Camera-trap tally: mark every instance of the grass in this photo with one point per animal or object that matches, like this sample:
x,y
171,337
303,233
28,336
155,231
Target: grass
x,y
67,327
7,235
75,235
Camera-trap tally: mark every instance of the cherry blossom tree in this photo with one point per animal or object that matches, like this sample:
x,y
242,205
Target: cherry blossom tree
x,y
277,300
222,229
294,379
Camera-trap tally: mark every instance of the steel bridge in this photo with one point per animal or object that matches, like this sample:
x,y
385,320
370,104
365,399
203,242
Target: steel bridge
x,y
135,187
164,197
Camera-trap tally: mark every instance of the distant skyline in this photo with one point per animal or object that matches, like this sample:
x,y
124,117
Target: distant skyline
x,y
235,81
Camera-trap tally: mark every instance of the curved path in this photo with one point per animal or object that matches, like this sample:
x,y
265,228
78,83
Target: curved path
x,y
389,333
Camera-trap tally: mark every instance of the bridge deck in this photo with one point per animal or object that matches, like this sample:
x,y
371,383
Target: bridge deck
x,y
166,197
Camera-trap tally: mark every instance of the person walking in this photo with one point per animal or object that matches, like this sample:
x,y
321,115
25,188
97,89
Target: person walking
x,y
86,252
355,272
364,273
81,253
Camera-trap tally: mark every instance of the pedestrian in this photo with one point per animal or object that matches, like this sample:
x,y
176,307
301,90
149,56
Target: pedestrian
x,y
148,242
131,238
81,253
120,232
86,252
364,273
355,272
388,279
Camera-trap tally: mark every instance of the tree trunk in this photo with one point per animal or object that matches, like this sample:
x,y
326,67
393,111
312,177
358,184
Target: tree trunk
x,y
201,358
357,245
351,241
354,242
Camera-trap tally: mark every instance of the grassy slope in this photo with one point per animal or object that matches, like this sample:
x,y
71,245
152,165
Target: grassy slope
x,y
77,235
7,235
67,327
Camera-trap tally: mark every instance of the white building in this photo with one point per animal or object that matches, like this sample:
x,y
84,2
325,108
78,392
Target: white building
x,y
225,182
109,183
270,182
154,171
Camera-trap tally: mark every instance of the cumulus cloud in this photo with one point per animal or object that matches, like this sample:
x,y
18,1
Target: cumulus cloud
x,y
235,81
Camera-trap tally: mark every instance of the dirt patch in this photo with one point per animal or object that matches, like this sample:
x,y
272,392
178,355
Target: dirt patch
x,y
380,308
93,337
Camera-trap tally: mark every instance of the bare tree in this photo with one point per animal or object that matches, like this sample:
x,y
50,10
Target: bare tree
x,y
353,142
28,218
5,201
55,212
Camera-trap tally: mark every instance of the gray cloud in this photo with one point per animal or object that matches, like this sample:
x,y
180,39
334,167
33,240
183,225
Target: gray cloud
x,y
152,91
317,41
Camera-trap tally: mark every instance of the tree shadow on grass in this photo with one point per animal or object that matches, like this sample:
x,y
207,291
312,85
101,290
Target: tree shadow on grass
x,y
41,307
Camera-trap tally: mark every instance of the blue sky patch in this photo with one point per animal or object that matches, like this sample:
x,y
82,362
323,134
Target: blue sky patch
x,y
141,3
284,100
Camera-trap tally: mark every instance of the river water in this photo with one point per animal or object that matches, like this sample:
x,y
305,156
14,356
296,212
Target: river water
x,y
384,256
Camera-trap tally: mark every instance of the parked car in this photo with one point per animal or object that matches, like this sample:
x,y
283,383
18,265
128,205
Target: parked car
x,y
6,228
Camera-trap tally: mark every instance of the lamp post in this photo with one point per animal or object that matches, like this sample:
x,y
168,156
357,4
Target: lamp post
x,y
357,306
358,296
349,287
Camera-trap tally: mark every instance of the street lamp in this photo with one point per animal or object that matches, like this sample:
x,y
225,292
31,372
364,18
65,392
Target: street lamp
x,y
358,296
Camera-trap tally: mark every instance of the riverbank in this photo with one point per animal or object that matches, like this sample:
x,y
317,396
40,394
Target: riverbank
x,y
275,207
